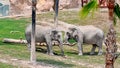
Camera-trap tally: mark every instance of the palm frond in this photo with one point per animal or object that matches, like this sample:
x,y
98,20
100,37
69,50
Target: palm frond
x,y
91,6
114,20
117,10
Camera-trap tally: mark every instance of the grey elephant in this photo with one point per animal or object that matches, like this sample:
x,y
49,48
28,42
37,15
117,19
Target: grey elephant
x,y
45,35
92,35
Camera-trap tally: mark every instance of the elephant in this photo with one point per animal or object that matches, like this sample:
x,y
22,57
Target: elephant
x,y
45,35
86,34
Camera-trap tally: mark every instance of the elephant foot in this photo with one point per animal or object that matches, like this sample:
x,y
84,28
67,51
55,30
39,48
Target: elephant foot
x,y
92,53
49,53
100,53
64,56
80,54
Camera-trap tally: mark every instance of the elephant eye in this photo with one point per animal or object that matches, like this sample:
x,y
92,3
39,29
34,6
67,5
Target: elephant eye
x,y
76,36
68,33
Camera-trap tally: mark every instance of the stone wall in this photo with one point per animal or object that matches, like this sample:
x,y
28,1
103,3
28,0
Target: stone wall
x,y
20,6
24,6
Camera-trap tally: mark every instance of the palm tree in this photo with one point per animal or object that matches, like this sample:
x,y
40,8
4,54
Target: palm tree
x,y
111,37
114,10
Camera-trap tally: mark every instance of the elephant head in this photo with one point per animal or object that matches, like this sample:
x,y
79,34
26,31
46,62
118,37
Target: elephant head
x,y
71,33
77,35
57,36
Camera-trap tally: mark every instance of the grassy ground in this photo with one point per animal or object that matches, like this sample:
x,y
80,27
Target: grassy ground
x,y
2,65
14,28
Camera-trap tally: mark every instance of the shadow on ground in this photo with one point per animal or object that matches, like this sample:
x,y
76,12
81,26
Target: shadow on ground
x,y
85,53
55,63
42,50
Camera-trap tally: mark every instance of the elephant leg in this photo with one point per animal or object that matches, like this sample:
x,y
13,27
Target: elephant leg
x,y
29,46
100,49
93,49
48,50
80,49
51,51
61,48
49,46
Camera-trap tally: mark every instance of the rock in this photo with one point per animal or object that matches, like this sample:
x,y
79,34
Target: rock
x,y
44,5
69,4
20,6
24,6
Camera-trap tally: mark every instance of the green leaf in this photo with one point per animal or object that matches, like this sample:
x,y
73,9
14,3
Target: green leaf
x,y
91,6
114,20
117,10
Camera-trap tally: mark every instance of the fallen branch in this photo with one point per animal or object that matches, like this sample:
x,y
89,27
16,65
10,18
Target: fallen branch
x,y
21,41
8,40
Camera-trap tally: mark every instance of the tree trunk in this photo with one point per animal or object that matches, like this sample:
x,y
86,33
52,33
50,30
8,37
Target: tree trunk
x,y
33,54
111,38
111,48
55,8
111,4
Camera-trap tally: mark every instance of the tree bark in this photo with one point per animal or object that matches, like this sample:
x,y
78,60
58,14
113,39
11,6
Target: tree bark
x,y
19,41
110,41
111,48
55,8
33,52
111,4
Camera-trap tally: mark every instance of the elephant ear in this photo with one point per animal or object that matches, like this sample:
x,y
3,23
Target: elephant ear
x,y
72,29
54,32
75,33
67,33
